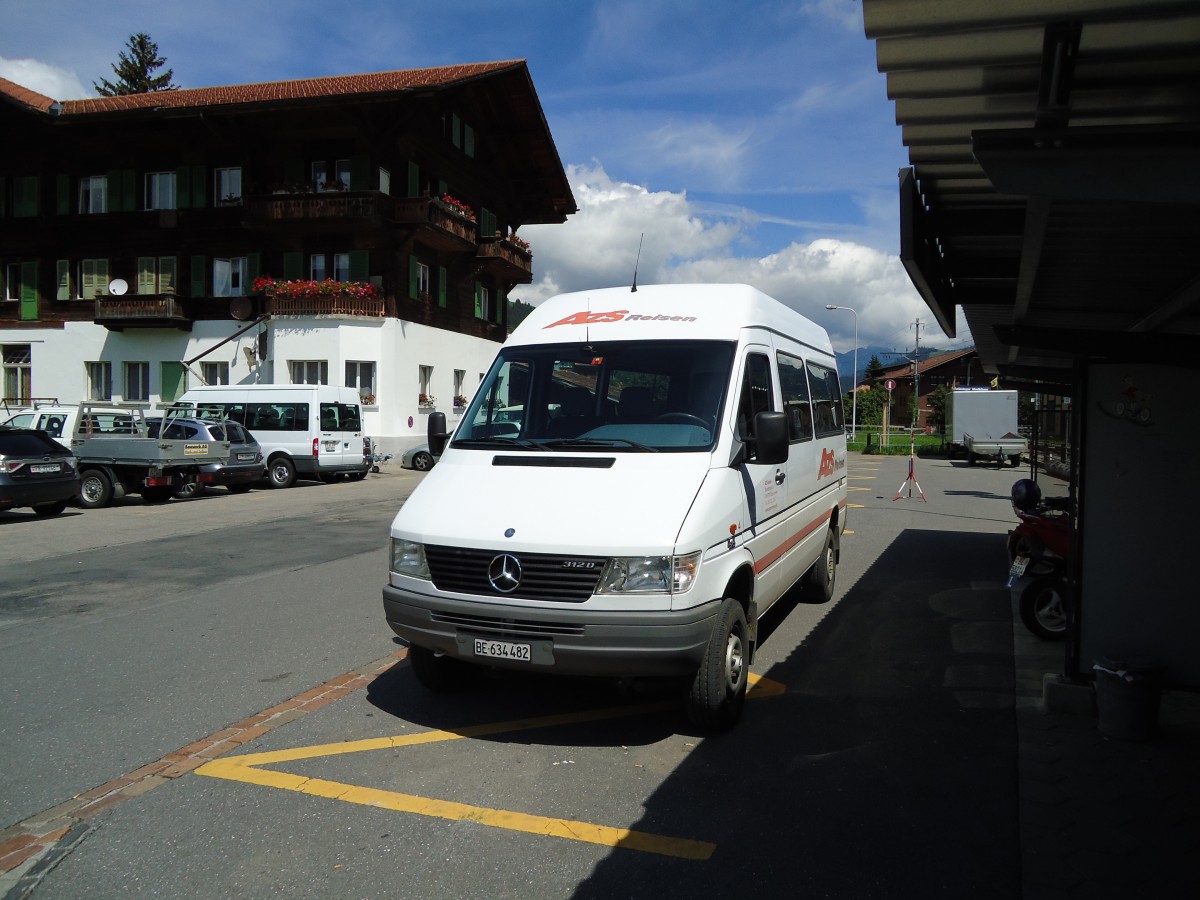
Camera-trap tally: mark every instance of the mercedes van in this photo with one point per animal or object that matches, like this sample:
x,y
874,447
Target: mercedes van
x,y
305,430
638,478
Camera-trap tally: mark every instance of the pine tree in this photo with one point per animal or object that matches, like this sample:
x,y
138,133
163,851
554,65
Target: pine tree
x,y
133,70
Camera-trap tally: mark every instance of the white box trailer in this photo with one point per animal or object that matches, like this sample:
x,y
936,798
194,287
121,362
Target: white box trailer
x,y
983,425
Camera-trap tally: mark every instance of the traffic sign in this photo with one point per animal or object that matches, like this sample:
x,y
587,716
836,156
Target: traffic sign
x,y
890,384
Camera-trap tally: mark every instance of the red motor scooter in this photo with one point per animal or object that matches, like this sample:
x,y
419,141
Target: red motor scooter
x,y
1039,548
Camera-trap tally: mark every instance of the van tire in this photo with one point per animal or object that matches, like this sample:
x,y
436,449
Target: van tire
x,y
440,673
718,691
821,579
95,490
282,472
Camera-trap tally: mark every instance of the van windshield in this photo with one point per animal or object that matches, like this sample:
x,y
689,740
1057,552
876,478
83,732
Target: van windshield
x,y
629,396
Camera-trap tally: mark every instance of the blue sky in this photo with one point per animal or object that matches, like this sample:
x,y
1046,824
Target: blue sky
x,y
747,141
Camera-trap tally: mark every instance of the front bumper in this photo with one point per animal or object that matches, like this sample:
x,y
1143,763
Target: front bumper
x,y
570,642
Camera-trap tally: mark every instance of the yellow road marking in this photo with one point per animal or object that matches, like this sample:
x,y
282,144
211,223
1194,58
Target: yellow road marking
x,y
858,489
861,477
246,768
856,506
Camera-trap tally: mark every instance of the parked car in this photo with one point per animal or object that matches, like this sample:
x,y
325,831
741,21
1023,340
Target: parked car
x,y
418,458
35,471
56,421
239,474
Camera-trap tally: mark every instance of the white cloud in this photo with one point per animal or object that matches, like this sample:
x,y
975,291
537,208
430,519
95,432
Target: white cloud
x,y
53,82
682,242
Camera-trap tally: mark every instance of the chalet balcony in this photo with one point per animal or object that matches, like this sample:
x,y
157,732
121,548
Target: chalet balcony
x,y
330,305
145,311
324,205
506,261
437,224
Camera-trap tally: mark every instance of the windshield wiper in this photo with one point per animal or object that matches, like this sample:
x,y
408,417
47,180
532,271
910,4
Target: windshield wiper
x,y
607,442
523,443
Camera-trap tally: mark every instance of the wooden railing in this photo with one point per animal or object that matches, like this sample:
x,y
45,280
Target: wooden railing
x,y
163,306
333,305
327,205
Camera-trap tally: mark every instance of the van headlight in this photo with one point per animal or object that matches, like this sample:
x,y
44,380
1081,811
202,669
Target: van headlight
x,y
649,574
408,558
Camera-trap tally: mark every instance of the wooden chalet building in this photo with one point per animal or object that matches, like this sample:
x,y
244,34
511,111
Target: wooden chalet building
x,y
136,233
959,368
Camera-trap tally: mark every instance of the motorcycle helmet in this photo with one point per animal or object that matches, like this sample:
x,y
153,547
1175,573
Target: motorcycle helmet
x,y
1026,494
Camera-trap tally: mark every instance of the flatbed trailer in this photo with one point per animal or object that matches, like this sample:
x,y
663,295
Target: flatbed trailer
x,y
117,456
1009,448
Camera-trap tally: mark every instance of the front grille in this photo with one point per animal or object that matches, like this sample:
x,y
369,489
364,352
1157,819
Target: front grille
x,y
506,629
544,576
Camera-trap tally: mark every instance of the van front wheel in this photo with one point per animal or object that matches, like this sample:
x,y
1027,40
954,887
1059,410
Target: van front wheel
x,y
282,472
718,691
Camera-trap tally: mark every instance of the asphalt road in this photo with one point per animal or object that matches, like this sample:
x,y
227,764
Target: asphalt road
x,y
876,760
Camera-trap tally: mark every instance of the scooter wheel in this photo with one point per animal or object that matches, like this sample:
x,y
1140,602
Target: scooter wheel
x,y
1043,607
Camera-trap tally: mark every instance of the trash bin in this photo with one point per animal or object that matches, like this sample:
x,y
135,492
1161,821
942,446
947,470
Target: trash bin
x,y
1127,698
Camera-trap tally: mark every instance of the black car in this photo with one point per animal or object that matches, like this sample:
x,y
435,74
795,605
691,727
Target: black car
x,y
36,471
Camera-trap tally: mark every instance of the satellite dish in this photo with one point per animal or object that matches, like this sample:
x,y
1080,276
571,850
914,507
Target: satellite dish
x,y
240,308
118,286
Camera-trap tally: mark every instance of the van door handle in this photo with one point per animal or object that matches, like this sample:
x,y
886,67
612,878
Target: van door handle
x,y
779,476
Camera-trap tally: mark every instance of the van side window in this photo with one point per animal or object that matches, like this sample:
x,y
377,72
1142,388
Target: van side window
x,y
827,400
794,387
757,394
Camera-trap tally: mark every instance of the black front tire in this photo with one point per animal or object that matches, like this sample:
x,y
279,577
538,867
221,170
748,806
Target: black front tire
x,y
50,509
440,673
718,691
1043,606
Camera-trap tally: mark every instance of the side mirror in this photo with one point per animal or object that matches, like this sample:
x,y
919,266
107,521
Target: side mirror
x,y
770,438
437,434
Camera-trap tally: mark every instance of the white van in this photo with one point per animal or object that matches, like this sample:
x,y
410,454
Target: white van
x,y
305,430
638,478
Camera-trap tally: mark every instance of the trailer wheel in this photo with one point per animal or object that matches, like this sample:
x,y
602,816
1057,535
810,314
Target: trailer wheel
x,y
95,490
718,691
282,472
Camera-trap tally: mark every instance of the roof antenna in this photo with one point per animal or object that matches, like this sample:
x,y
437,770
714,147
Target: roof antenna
x,y
633,290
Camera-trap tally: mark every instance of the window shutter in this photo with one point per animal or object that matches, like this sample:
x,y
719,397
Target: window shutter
x,y
146,283
128,190
455,130
293,265
414,179
166,275
360,265
197,287
25,199
62,206
441,188
442,286
63,277
413,286
487,223
478,300
469,140
199,188
29,294
360,172
501,304
183,187
102,277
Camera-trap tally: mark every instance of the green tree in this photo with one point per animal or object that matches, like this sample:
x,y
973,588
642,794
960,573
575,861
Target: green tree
x,y
517,311
874,369
133,70
937,409
870,406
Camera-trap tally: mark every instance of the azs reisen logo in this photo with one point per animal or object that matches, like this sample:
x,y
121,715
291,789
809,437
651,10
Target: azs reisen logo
x,y
829,464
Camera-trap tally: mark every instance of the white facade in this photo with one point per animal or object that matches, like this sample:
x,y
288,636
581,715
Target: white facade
x,y
395,351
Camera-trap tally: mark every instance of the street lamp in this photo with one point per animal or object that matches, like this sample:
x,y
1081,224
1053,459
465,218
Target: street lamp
x,y
854,387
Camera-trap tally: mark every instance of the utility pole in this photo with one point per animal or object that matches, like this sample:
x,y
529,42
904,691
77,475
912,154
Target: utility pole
x,y
917,377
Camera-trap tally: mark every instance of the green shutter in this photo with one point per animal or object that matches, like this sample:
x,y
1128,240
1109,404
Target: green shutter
x,y
360,172
62,204
360,265
25,198
62,270
147,282
442,286
128,190
29,295
413,286
478,300
174,381
487,223
253,266
183,187
199,188
166,275
501,306
293,265
469,140
198,279
441,188
414,179
455,130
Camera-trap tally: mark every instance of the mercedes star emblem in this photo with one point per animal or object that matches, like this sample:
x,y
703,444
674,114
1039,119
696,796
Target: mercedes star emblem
x,y
504,573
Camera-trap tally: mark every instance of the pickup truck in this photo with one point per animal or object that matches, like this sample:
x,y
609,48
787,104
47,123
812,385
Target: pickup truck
x,y
117,456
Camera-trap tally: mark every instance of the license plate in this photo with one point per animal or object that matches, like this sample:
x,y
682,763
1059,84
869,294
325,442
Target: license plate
x,y
1017,570
245,456
331,445
502,650
45,468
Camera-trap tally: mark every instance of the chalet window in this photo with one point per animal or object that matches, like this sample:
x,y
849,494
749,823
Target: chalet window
x,y
99,380
156,275
316,267
483,302
422,279
93,280
425,375
341,267
62,273
18,372
361,375
336,178
215,372
93,191
229,277
329,265
12,281
309,371
228,184
160,190
385,181
137,381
